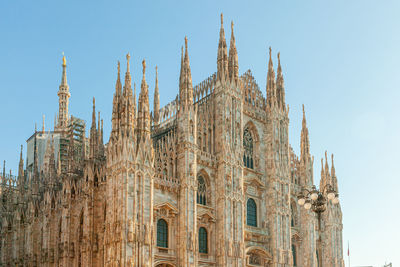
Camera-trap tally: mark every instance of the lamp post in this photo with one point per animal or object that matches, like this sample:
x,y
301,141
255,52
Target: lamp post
x,y
316,200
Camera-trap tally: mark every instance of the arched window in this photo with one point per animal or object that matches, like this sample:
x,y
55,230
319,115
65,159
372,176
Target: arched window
x,y
162,233
203,245
294,255
248,149
251,212
201,191
293,209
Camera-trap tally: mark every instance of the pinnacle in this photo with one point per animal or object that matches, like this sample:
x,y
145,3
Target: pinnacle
x,y
128,56
144,68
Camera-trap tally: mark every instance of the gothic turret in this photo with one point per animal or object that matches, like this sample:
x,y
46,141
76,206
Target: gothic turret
x,y
63,99
143,121
156,106
185,85
116,105
93,142
334,178
306,161
271,98
233,65
126,109
280,86
222,58
21,175
304,142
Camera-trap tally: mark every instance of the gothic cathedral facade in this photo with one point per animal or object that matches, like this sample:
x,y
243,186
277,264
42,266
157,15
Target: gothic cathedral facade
x,y
210,179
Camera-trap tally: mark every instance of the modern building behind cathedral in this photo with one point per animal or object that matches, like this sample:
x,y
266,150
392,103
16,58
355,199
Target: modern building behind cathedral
x,y
208,180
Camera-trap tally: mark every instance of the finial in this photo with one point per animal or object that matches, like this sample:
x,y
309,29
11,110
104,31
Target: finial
x,y
304,113
94,102
35,127
232,25
270,50
186,42
222,19
279,57
64,60
144,67
119,68
127,62
156,71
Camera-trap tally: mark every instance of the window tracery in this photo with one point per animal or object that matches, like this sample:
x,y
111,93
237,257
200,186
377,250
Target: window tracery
x,y
201,190
248,160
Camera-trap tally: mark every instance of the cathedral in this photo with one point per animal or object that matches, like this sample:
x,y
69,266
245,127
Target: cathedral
x,y
210,179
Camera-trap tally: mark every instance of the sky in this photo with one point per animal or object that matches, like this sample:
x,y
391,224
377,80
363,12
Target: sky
x,y
340,59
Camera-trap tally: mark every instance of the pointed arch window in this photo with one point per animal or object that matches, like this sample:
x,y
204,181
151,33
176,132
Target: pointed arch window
x,y
162,233
201,190
248,149
251,212
203,245
293,209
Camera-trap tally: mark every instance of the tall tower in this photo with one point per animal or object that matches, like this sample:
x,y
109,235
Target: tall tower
x,y
187,166
277,162
228,139
63,99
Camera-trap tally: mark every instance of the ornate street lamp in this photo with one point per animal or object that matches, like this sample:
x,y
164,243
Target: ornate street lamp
x,y
316,200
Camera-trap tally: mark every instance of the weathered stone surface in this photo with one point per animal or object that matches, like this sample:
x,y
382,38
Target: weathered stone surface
x,y
215,166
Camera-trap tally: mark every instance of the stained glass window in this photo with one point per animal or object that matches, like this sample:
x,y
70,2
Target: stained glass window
x,y
251,212
162,233
203,246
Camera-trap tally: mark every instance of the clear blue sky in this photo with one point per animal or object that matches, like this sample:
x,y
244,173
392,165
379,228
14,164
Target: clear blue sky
x,y
340,58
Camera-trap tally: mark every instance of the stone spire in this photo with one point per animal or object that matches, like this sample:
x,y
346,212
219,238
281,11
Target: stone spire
x,y
222,58
63,99
186,86
233,65
280,86
21,175
134,100
156,101
126,104
271,98
116,105
143,107
93,133
322,180
333,175
21,165
304,141
127,85
325,176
